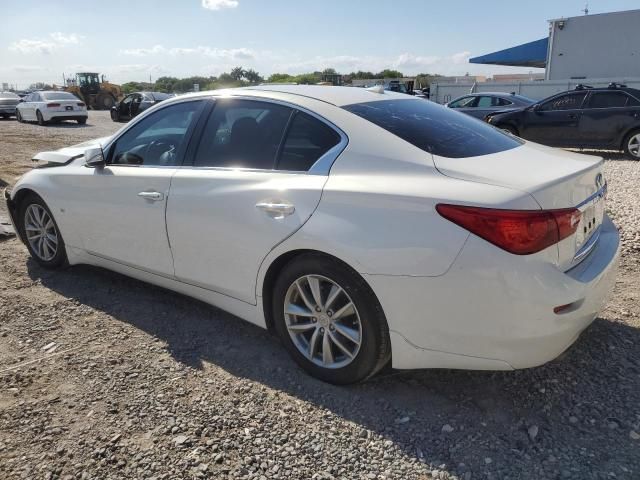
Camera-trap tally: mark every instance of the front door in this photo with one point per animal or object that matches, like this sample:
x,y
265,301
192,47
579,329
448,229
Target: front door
x,y
556,122
120,209
247,190
608,114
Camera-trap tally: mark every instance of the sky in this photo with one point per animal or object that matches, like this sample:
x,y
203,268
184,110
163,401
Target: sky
x,y
136,40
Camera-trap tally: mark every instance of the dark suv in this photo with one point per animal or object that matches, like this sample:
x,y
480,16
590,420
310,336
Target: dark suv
x,y
586,117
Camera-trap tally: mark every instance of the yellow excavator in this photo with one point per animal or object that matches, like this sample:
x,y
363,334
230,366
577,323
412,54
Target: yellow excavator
x,y
97,93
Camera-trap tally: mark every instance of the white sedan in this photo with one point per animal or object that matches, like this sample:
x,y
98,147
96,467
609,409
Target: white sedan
x,y
362,226
52,106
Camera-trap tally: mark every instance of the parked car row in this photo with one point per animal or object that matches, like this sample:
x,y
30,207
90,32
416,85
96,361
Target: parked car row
x,y
598,118
348,221
136,103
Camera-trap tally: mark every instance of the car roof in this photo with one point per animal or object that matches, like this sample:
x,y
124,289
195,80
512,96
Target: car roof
x,y
338,96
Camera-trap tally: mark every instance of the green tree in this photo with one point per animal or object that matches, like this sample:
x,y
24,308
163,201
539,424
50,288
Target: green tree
x,y
387,73
252,76
360,75
280,78
237,73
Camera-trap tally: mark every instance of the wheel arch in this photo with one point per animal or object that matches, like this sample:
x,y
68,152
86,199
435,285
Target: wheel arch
x,y
14,207
278,264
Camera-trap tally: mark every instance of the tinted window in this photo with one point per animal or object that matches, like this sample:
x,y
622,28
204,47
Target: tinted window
x,y
501,102
569,101
159,96
157,140
242,134
633,102
484,102
608,99
59,96
307,140
434,128
464,102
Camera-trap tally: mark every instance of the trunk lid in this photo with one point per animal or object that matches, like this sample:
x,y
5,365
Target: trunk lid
x,y
66,106
554,178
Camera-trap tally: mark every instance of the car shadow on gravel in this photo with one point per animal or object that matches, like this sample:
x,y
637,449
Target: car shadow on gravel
x,y
571,418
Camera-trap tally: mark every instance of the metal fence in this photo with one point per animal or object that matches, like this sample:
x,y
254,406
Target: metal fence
x,y
537,90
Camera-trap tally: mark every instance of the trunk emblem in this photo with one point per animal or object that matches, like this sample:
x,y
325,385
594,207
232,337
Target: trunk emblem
x,y
599,181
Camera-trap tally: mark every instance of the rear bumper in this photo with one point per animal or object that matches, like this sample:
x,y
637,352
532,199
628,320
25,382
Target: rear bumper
x,y
7,110
493,310
72,115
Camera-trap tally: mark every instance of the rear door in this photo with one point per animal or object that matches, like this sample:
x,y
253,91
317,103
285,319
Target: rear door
x,y
607,116
252,183
556,122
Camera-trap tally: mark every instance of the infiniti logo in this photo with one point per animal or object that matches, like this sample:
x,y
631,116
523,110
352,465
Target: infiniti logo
x,y
599,181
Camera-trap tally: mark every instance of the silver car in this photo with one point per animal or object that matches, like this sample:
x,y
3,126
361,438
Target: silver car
x,y
8,102
480,105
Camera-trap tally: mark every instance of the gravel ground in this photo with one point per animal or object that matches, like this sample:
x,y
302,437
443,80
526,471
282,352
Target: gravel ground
x,y
103,377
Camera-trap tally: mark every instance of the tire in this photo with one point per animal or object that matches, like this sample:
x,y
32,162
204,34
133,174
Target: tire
x,y
509,129
41,120
5,116
104,101
46,253
82,121
115,116
364,321
631,145
19,117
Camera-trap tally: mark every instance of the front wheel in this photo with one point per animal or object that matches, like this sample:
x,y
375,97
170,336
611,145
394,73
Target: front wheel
x,y
82,121
632,145
329,320
41,233
19,117
41,120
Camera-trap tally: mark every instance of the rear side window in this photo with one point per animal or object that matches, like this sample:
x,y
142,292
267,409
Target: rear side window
x,y
608,100
570,101
434,128
242,134
308,139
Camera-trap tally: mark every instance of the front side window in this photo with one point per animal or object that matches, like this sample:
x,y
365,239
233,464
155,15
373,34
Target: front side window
x,y
242,134
501,102
307,140
570,101
608,100
159,139
486,102
434,128
465,102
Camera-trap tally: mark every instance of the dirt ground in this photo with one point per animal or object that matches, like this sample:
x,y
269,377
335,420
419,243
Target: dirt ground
x,y
104,377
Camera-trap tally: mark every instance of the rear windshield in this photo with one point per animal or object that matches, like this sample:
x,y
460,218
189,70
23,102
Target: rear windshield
x,y
434,128
8,95
58,96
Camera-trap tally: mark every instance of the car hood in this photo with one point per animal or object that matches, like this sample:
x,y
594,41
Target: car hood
x,y
66,154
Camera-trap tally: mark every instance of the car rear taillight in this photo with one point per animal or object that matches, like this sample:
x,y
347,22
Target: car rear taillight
x,y
51,105
80,104
521,232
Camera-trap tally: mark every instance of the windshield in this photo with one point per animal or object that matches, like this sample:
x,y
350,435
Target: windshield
x,y
159,96
58,96
434,128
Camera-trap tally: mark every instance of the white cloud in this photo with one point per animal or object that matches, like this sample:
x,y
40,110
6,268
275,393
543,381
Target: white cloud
x,y
45,46
236,54
219,4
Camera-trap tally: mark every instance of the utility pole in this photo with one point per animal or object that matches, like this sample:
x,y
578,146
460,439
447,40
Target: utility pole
x,y
586,8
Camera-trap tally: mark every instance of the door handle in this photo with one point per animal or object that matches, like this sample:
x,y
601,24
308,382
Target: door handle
x,y
276,209
153,196
573,116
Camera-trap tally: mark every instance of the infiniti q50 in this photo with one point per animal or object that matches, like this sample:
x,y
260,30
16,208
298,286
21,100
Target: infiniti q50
x,y
363,227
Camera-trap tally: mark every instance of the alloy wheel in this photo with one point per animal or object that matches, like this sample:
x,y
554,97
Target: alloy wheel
x,y
322,321
634,145
41,232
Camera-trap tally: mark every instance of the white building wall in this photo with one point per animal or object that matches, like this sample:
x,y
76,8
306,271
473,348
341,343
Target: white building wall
x,y
595,46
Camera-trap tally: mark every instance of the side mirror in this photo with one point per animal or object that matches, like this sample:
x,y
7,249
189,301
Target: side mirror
x,y
94,158
535,107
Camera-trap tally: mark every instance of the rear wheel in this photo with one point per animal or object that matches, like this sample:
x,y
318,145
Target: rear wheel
x,y
41,233
82,121
19,116
329,320
104,101
41,120
632,145
115,115
5,116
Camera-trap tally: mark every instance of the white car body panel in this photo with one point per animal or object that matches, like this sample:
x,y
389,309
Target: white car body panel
x,y
451,299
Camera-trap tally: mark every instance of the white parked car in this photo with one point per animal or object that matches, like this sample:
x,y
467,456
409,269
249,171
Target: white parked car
x,y
51,106
364,227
